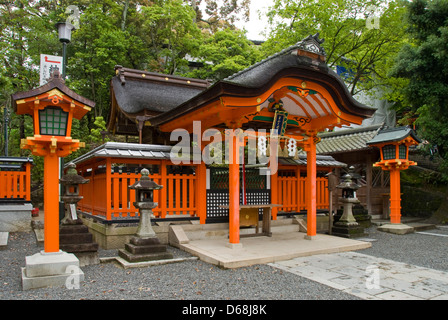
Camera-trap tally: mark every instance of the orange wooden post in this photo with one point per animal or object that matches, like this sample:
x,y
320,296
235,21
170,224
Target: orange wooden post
x,y
92,187
274,193
311,186
108,189
234,192
178,195
51,203
201,192
28,181
163,191
395,197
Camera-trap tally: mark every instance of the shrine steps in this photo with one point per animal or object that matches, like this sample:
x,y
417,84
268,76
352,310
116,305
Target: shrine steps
x,y
183,233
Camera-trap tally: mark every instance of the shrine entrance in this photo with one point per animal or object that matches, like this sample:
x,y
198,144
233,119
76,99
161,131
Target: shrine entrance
x,y
285,100
254,189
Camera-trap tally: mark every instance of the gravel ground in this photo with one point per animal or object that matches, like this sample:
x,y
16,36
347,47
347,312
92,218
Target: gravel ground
x,y
419,249
197,280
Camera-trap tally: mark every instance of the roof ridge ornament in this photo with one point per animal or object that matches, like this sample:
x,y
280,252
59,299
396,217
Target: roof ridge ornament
x,y
312,43
56,75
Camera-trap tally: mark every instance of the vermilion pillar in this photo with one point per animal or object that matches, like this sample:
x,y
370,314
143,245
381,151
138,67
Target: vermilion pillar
x,y
311,187
395,196
51,203
234,191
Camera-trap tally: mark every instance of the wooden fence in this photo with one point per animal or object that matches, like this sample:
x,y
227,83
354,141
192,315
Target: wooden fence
x,y
184,194
15,180
291,193
107,193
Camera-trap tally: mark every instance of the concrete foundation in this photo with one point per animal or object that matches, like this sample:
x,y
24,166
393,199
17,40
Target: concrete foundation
x,y
15,217
116,235
51,269
396,228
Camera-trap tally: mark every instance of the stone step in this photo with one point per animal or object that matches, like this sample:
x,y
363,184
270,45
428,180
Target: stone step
x,y
75,238
184,233
156,248
422,226
144,257
80,247
76,228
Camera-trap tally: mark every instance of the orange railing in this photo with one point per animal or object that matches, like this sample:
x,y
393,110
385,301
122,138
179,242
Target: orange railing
x,y
291,192
16,183
107,193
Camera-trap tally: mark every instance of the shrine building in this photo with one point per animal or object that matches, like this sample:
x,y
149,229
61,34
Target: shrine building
x,y
262,122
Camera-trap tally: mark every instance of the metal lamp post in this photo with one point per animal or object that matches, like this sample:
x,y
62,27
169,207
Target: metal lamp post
x,y
65,36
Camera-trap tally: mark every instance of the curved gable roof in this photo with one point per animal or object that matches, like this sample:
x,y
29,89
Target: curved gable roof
x,y
304,60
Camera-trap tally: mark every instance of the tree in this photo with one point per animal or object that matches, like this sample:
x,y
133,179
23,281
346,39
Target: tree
x,y
423,66
170,32
351,39
221,14
224,53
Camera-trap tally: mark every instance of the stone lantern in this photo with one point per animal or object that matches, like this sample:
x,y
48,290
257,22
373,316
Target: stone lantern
x,y
144,197
145,245
71,197
347,226
74,236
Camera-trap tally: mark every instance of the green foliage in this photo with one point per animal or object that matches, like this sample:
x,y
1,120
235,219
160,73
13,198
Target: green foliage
x,y
424,64
170,31
224,53
349,40
96,135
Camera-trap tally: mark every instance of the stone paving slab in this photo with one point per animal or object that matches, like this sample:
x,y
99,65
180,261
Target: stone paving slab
x,y
262,250
370,278
4,239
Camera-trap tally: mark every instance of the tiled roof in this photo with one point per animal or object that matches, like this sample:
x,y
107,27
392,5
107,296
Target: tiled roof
x,y
393,134
152,151
321,161
346,140
137,90
127,150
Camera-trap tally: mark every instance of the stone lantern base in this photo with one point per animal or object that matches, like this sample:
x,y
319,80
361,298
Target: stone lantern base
x,y
144,249
348,231
145,246
347,226
74,237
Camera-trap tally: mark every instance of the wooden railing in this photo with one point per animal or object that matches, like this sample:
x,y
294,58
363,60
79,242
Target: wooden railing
x,y
183,195
107,194
15,183
292,193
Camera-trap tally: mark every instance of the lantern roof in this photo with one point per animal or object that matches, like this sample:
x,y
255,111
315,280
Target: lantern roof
x,y
396,134
145,182
72,177
22,101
